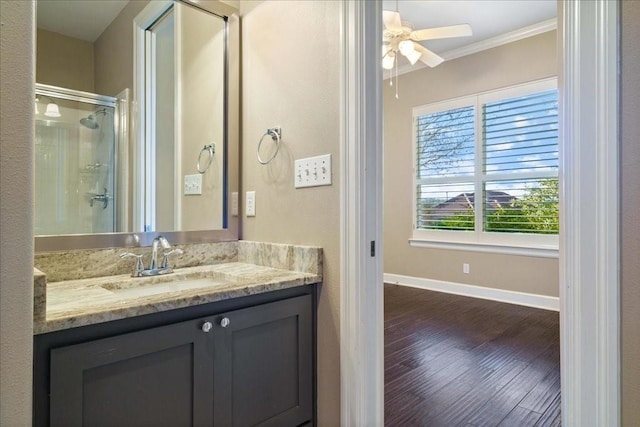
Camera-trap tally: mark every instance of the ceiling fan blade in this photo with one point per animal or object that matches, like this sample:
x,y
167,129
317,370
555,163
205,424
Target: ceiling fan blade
x,y
461,30
428,57
391,20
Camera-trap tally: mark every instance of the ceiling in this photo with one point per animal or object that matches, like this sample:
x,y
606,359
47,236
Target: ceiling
x,y
488,18
84,20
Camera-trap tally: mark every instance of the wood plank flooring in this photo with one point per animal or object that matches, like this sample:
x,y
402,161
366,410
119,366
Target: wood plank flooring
x,y
458,361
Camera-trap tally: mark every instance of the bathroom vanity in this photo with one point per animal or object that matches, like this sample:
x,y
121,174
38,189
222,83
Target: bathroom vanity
x,y
225,343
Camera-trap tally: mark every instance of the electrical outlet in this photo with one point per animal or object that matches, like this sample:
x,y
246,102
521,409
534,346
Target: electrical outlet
x,y
234,203
193,184
465,268
250,204
313,171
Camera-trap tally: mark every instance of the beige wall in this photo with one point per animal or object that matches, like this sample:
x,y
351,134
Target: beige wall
x,y
291,64
104,67
17,75
64,61
630,208
114,52
201,89
522,61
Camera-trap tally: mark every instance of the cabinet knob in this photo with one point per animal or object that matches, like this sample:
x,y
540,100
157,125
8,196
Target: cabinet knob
x,y
206,326
225,322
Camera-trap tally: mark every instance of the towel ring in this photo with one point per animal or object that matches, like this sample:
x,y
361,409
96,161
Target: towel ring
x,y
276,134
211,149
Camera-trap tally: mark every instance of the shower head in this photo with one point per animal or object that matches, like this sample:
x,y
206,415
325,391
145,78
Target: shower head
x,y
90,122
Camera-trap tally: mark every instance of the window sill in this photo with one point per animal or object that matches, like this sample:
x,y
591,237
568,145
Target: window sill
x,y
533,251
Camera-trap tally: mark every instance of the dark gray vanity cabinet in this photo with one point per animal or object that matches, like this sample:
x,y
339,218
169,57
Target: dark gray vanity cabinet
x,y
264,365
250,366
157,377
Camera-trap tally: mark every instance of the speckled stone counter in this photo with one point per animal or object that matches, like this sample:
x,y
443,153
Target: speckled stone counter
x,y
81,297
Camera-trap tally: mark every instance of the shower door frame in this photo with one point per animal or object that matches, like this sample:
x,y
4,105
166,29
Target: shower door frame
x,y
120,192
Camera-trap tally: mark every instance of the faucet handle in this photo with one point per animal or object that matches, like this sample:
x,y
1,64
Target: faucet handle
x,y
165,257
137,272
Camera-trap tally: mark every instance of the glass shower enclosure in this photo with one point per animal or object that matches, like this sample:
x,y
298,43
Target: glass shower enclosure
x,y
76,150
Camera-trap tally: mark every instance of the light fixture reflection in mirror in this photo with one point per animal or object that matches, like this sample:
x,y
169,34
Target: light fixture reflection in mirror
x,y
51,110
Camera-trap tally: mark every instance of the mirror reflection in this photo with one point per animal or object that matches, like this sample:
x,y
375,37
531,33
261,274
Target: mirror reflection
x,y
75,161
130,117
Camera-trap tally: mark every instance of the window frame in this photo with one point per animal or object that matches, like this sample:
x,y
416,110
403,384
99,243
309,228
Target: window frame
x,y
478,240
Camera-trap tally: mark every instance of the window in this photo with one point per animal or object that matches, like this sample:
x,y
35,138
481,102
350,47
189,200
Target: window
x,y
501,146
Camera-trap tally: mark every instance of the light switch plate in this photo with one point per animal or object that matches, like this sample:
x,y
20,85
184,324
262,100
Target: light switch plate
x,y
234,203
251,203
193,184
313,171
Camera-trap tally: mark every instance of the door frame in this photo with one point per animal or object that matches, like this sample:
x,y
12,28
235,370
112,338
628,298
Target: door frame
x,y
361,297
143,131
589,253
589,238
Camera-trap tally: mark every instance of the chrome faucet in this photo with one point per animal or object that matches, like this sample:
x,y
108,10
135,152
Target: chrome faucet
x,y
154,268
158,241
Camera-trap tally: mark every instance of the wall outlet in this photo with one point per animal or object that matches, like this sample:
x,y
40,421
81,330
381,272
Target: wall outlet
x,y
313,171
250,204
234,203
465,268
193,184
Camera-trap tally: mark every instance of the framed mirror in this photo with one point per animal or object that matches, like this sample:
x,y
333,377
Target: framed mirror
x,y
137,117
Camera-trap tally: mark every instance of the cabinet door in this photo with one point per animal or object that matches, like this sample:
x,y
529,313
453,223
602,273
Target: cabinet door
x,y
156,377
263,365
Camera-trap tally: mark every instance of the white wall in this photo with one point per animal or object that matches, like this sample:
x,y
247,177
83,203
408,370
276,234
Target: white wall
x,y
290,78
17,76
522,61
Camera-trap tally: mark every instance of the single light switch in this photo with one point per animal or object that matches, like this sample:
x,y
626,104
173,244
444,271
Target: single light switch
x,y
251,203
234,203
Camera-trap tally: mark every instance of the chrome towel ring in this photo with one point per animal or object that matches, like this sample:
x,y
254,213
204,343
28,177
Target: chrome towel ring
x,y
276,134
211,149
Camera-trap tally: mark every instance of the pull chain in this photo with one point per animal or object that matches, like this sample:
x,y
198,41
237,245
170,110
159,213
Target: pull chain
x,y
396,67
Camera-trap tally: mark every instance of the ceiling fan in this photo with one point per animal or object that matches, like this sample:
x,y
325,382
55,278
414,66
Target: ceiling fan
x,y
399,37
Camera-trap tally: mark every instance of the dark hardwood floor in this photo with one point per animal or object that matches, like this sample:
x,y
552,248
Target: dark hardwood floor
x,y
458,361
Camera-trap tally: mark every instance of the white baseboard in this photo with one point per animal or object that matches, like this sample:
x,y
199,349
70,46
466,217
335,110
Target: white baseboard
x,y
512,297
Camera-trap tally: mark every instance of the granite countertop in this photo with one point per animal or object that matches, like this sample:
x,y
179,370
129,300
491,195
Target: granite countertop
x,y
87,301
72,303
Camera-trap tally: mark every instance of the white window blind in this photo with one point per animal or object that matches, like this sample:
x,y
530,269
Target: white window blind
x,y
446,164
501,145
520,149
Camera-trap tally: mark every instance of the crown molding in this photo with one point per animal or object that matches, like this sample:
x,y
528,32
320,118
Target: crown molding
x,y
490,43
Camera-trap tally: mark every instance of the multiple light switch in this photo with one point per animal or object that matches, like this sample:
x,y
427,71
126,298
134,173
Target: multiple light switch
x,y
313,171
193,184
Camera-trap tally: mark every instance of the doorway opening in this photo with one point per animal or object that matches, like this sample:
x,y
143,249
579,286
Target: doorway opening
x,y
467,145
